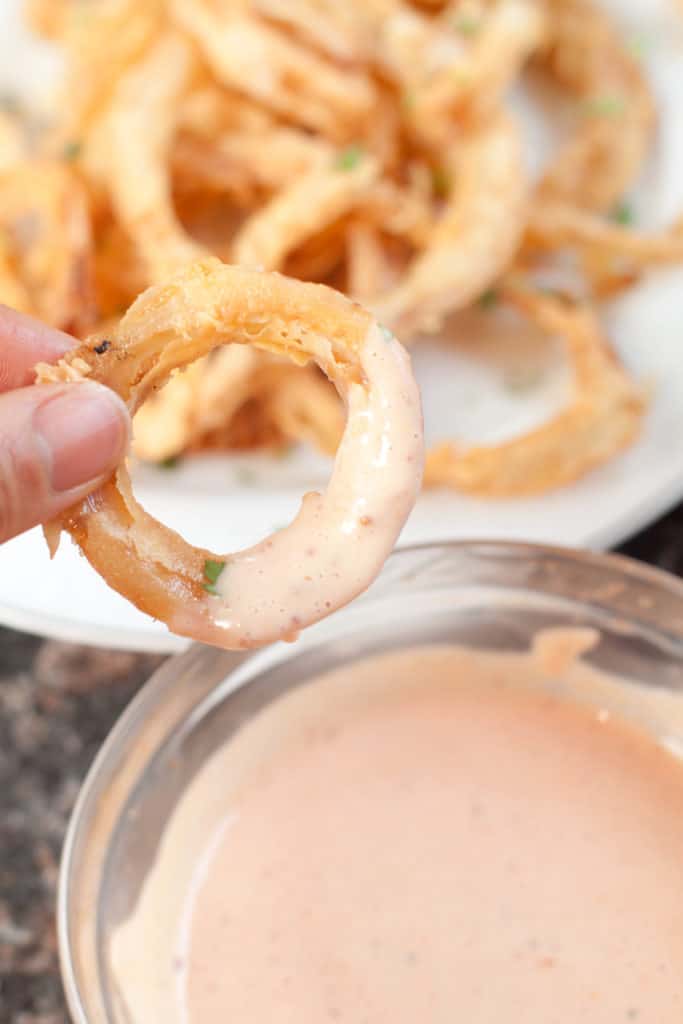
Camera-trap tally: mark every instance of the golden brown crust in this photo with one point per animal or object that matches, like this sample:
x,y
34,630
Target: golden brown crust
x,y
368,144
603,416
169,326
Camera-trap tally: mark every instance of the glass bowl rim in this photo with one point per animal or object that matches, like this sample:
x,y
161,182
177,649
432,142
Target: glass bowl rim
x,y
130,718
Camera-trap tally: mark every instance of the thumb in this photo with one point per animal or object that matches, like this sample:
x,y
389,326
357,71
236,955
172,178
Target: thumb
x,y
57,443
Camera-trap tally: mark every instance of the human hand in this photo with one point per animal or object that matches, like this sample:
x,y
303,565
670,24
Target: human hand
x,y
58,442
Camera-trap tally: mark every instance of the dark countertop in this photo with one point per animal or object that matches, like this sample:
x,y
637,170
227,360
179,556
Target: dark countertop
x,y
57,703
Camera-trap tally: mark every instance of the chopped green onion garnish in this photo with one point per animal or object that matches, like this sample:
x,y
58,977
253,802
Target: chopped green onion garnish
x,y
283,452
172,462
604,106
349,158
467,24
9,102
73,150
553,293
622,214
638,45
522,379
441,182
489,299
212,572
245,476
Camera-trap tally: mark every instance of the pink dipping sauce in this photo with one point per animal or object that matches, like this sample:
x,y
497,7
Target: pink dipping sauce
x,y
436,835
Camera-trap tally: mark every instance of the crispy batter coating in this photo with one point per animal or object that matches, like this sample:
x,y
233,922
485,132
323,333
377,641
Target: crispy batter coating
x,y
206,305
367,144
474,239
603,417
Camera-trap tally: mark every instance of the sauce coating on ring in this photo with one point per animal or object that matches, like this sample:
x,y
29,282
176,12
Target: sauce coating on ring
x,y
340,539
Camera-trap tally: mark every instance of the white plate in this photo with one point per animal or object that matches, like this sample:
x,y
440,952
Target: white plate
x,y
211,501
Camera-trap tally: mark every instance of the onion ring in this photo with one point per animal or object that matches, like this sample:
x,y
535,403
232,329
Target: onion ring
x,y
243,161
101,43
275,70
45,217
603,417
326,24
12,142
201,399
600,162
310,203
475,237
12,291
303,572
553,225
139,129
472,84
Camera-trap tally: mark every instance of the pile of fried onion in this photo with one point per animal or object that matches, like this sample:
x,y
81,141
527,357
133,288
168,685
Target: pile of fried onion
x,y
371,145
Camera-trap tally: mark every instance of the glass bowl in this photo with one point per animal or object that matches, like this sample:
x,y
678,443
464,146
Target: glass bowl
x,y
485,595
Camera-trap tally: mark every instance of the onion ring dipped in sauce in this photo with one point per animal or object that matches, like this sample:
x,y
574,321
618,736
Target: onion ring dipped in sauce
x,y
339,540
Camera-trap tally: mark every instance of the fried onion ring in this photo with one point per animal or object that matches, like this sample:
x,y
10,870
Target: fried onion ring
x,y
294,215
475,237
139,130
602,419
472,84
600,162
303,572
326,24
194,402
102,40
47,242
556,224
276,71
12,291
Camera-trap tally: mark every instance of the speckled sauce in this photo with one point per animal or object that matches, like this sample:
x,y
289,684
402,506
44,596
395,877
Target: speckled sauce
x,y
339,541
434,835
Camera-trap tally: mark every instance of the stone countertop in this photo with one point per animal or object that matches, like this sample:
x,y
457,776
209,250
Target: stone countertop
x,y
57,703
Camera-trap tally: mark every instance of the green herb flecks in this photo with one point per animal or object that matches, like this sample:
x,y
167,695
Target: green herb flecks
x,y
639,44
212,572
349,158
10,103
520,380
72,150
606,105
441,182
172,462
622,214
245,476
554,292
283,452
489,299
467,24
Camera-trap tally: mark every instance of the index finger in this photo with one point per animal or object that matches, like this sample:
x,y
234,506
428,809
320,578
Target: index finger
x,y
25,342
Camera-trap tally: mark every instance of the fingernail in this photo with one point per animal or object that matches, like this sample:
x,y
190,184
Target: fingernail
x,y
85,429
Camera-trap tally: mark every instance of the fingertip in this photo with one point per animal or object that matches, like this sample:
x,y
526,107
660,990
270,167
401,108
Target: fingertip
x,y
25,341
85,427
58,443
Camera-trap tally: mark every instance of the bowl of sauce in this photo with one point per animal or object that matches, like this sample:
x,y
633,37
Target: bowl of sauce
x,y
461,798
